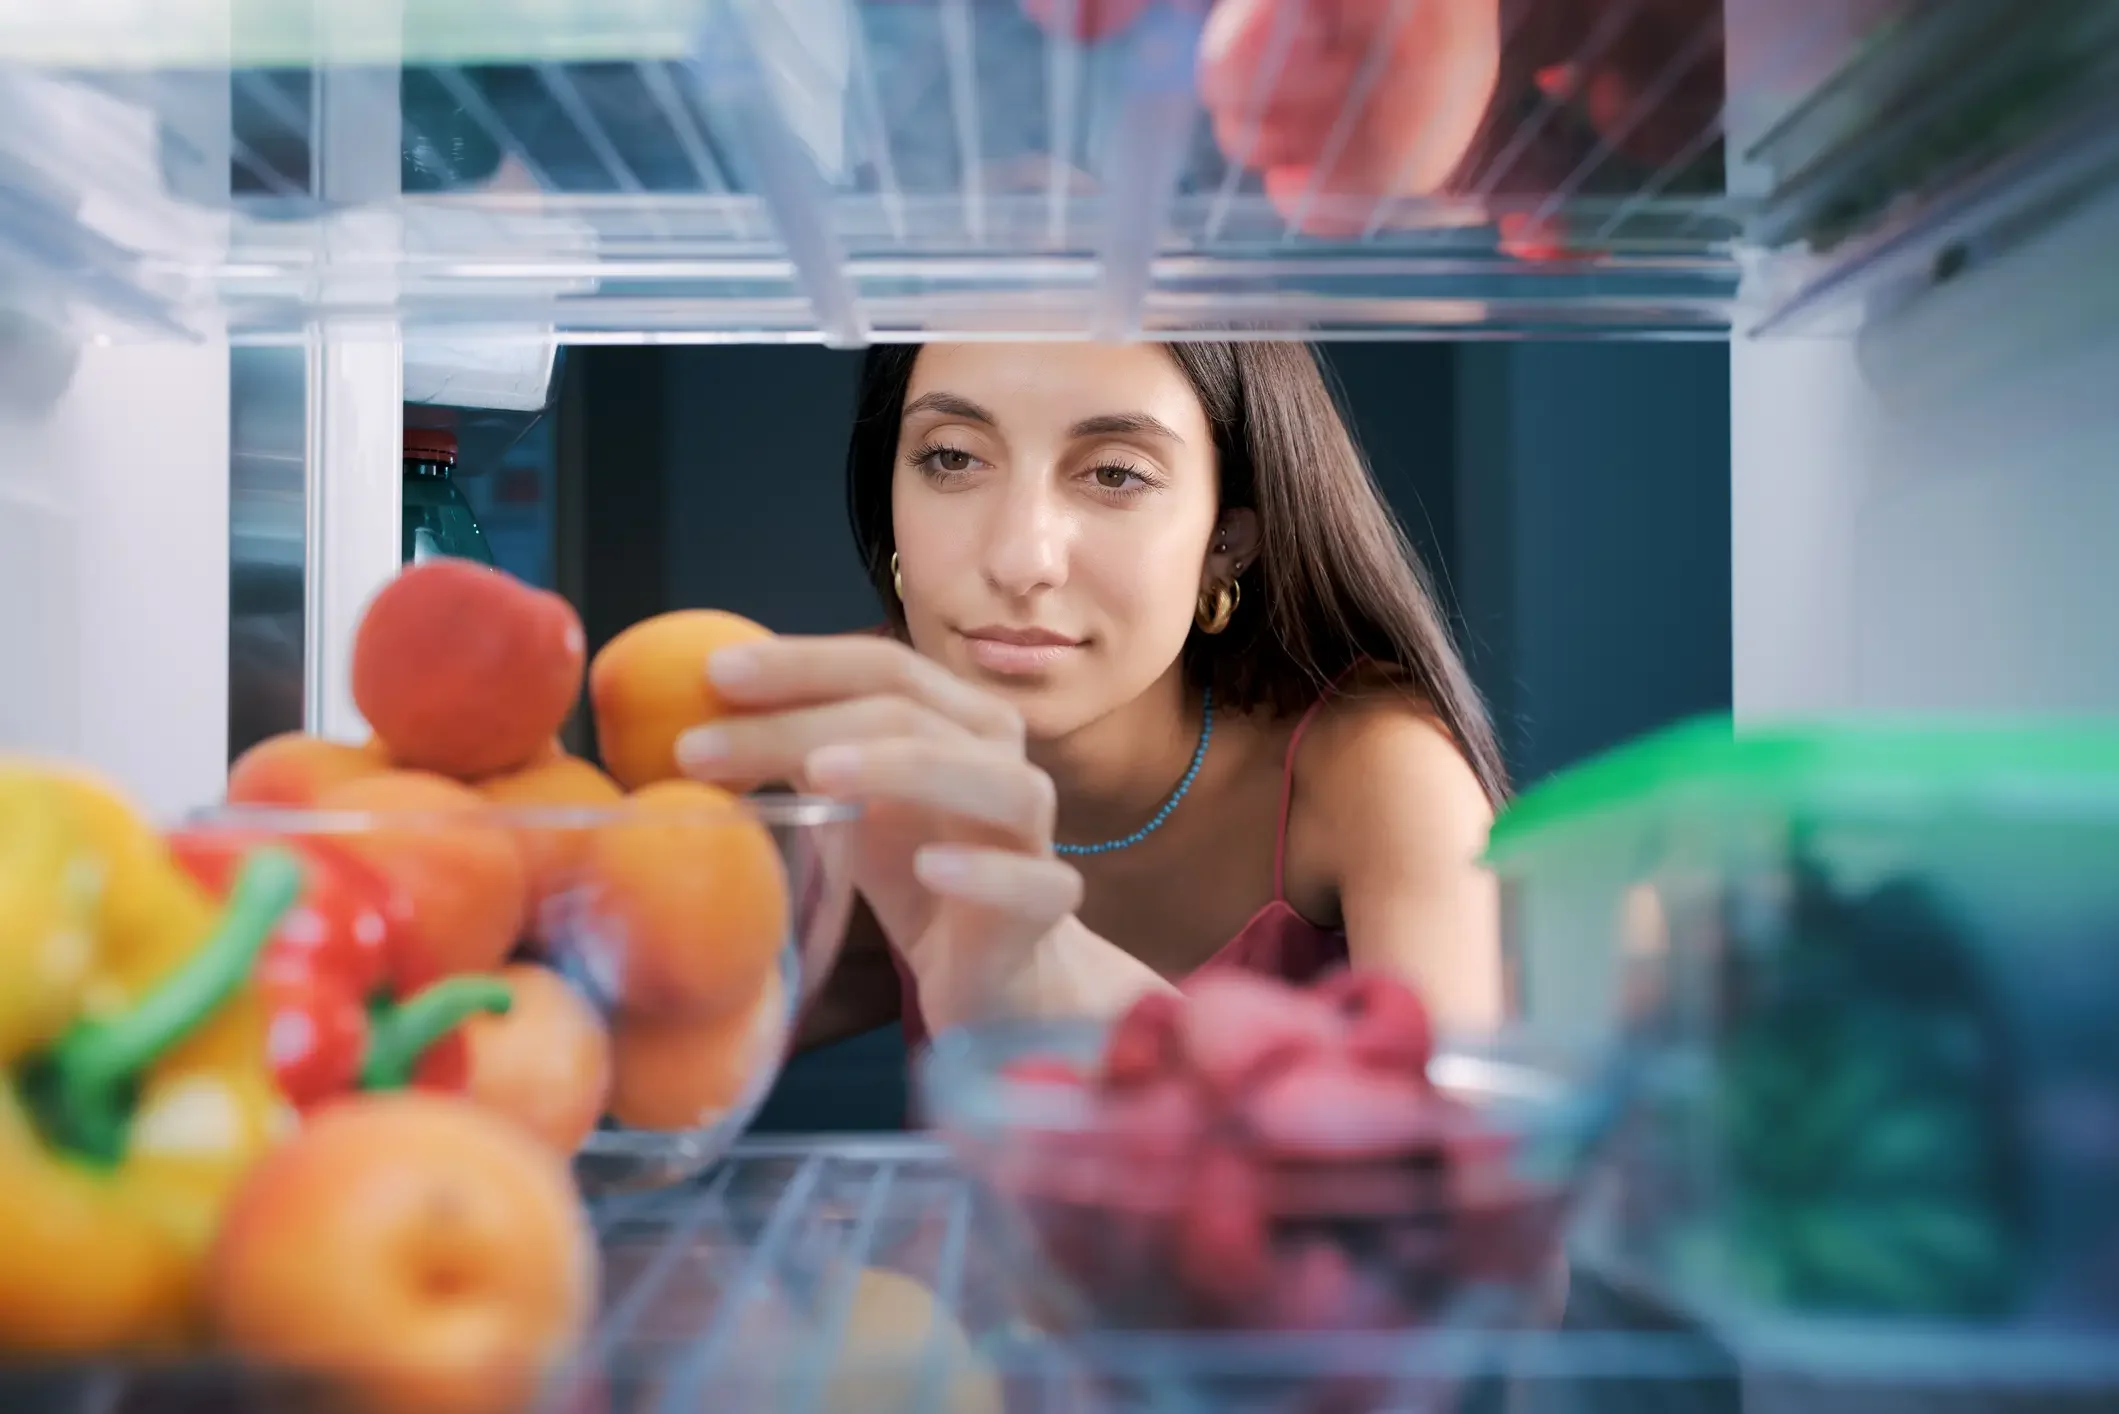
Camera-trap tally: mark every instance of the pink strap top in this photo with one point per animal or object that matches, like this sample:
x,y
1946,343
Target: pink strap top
x,y
1275,940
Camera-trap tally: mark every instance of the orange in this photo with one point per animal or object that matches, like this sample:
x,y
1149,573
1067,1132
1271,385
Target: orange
x,y
648,686
461,874
551,851
415,1250
684,902
546,1063
681,1073
291,770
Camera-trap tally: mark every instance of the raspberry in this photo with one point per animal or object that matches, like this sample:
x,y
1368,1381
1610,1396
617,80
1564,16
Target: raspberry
x,y
1387,1026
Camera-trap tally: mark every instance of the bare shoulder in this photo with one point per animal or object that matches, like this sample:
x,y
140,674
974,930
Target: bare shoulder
x,y
1384,802
1376,750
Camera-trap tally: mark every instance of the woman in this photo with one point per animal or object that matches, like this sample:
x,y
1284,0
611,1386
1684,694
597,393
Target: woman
x,y
1165,689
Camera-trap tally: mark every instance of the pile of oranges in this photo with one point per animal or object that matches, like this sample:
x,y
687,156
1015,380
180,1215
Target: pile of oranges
x,y
639,917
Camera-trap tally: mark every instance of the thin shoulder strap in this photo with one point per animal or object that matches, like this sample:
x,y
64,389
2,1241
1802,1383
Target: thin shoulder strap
x,y
1287,779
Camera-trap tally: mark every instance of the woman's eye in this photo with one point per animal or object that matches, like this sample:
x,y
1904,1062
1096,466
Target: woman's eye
x,y
1117,478
950,459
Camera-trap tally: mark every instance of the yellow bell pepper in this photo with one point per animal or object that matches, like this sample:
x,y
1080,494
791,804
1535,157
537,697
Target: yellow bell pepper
x,y
122,1138
151,915
49,885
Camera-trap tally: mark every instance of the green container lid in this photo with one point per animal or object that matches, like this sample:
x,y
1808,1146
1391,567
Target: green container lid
x,y
1708,768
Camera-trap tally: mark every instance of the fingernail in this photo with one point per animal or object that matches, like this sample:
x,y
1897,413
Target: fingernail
x,y
830,763
702,746
732,667
938,866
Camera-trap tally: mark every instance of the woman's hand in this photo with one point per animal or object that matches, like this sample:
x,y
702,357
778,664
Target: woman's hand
x,y
953,850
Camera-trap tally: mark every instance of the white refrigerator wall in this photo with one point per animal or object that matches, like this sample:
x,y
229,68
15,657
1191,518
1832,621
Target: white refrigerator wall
x,y
114,475
1925,518
114,573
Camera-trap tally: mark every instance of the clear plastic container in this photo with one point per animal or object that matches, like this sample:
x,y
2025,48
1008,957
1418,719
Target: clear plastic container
x,y
1125,1214
860,169
694,932
1868,974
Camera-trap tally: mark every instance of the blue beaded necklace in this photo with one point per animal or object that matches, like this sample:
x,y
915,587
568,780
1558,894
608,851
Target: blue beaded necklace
x,y
1199,754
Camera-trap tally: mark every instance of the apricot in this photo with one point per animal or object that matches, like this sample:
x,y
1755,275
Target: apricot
x,y
682,1073
460,873
546,1064
465,671
648,686
416,1250
890,1349
683,907
292,769
895,1341
551,851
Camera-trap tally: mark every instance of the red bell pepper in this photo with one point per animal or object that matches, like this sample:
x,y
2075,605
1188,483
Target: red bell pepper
x,y
341,983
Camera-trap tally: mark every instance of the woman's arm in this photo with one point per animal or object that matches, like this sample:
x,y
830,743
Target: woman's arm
x,y
1067,971
1402,820
1076,972
1072,972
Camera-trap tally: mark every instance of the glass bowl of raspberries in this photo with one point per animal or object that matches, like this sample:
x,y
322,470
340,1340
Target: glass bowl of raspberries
x,y
1251,1156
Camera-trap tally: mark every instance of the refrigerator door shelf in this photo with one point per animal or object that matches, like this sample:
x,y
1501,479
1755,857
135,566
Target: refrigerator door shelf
x,y
150,35
1950,138
858,169
888,169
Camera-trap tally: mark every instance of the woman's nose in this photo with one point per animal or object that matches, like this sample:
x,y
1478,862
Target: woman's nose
x,y
1026,543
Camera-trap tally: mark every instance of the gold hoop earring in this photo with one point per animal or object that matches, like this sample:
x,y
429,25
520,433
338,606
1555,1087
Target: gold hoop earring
x,y
897,577
1217,608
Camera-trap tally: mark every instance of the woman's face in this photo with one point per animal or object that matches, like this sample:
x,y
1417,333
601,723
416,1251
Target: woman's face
x,y
1053,507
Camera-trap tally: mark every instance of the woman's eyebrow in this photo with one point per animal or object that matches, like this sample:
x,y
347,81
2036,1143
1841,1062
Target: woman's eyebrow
x,y
1124,424
950,405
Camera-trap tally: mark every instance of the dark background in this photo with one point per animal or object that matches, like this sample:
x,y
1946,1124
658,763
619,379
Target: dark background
x,y
1571,499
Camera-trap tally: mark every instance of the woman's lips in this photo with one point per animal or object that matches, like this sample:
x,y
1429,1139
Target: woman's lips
x,y
1017,653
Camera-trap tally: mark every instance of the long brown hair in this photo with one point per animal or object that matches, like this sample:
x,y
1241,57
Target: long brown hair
x,y
1336,582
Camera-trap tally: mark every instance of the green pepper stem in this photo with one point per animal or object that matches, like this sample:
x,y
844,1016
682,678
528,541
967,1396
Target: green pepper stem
x,y
398,1036
93,1068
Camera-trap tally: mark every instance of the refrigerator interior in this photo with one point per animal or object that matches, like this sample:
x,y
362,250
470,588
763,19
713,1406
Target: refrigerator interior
x,y
1898,213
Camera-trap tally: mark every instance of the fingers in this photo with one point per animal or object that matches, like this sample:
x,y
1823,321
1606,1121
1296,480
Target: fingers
x,y
881,748
777,746
784,673
1038,891
975,782
1000,906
